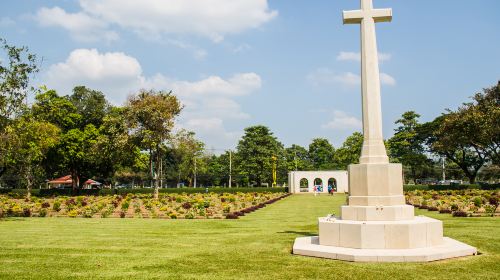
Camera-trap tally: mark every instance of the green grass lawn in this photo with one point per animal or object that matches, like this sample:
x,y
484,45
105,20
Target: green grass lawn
x,y
257,246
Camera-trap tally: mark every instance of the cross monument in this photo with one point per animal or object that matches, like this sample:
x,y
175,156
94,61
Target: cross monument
x,y
376,225
373,150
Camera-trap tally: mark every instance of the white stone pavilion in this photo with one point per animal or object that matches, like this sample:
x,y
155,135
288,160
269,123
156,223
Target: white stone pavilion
x,y
377,225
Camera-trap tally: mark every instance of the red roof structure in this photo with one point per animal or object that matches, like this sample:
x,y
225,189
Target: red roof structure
x,y
66,180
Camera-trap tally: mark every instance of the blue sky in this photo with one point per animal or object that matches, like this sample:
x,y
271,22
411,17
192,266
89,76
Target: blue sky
x,y
290,65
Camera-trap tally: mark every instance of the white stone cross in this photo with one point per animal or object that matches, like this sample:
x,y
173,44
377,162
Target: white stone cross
x,y
373,150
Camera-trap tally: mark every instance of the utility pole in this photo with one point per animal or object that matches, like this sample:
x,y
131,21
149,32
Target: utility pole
x,y
195,172
230,168
295,158
443,168
274,171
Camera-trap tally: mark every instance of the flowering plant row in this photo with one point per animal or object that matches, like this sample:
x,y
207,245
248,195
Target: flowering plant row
x,y
460,203
168,206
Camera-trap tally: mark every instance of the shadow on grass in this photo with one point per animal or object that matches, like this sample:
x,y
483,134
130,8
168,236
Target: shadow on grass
x,y
303,233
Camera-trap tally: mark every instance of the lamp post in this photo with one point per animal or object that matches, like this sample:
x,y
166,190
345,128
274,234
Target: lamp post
x,y
274,171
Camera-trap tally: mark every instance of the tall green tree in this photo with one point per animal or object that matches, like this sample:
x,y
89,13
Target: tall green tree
x,y
90,104
321,154
297,158
114,149
350,151
254,154
192,154
406,146
15,74
32,139
151,117
56,109
448,141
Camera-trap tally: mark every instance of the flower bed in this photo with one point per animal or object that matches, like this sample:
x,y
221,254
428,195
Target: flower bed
x,y
168,206
459,203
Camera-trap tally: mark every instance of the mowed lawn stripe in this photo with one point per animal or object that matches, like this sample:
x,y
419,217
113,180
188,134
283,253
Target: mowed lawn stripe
x,y
256,246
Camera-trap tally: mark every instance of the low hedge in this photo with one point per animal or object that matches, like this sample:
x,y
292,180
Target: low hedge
x,y
70,192
452,187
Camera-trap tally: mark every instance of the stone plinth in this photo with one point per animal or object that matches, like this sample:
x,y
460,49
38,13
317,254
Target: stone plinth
x,y
449,248
419,232
377,213
376,184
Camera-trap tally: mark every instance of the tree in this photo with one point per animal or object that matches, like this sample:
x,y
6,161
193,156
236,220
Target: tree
x,y
90,104
14,83
32,141
58,110
151,117
73,153
446,139
14,80
114,149
192,155
406,146
297,158
469,136
350,151
321,154
480,122
254,154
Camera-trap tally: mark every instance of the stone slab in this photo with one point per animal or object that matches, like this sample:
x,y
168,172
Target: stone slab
x,y
384,180
418,232
450,248
377,213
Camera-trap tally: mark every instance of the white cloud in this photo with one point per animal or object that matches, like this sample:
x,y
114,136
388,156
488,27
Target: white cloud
x,y
242,48
81,26
7,22
208,18
342,121
327,77
209,102
198,53
387,79
356,56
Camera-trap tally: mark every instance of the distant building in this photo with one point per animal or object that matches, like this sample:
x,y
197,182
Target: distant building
x,y
304,181
66,182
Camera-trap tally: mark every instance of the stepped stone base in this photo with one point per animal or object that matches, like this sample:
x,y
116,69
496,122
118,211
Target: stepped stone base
x,y
449,248
378,213
415,233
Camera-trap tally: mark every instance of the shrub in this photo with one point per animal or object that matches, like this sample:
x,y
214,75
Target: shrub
x,y
231,216
186,205
27,212
72,214
445,211
45,204
16,210
88,213
432,208
43,212
125,205
57,206
477,201
459,214
493,200
122,214
189,216
172,216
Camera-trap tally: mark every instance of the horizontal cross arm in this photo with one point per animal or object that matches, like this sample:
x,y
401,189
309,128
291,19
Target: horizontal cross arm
x,y
351,17
382,15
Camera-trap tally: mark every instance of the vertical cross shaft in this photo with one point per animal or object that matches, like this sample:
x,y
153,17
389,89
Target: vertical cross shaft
x,y
373,150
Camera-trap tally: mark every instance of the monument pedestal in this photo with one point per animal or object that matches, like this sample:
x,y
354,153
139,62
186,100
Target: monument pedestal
x,y
378,226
